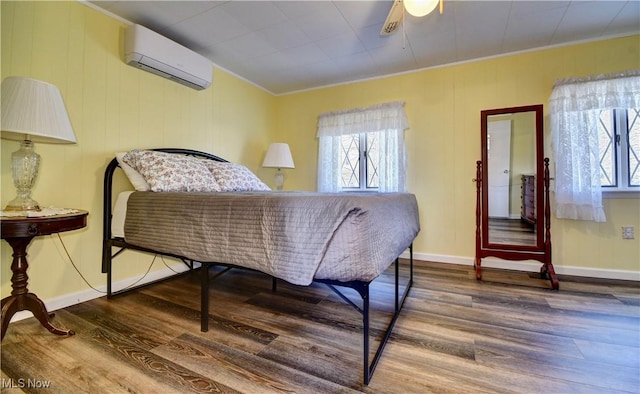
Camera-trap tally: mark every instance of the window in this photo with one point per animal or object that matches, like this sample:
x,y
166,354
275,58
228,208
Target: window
x,y
358,149
595,142
619,147
362,149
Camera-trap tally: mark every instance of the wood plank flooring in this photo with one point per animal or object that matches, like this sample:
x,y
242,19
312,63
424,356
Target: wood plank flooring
x,y
511,231
506,334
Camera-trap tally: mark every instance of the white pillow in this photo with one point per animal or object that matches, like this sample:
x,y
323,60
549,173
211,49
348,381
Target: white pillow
x,y
234,177
136,179
168,172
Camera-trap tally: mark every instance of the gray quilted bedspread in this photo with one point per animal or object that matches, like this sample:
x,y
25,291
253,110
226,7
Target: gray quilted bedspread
x,y
293,236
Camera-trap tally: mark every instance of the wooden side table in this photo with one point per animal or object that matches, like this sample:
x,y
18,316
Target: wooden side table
x,y
18,232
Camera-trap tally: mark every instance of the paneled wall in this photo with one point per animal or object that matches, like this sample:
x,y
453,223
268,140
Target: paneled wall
x,y
113,107
443,144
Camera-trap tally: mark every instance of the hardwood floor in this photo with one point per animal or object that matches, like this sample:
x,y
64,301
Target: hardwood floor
x,y
507,334
511,231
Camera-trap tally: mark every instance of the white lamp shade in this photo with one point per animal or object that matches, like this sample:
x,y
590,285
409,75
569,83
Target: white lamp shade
x,y
34,110
278,156
420,7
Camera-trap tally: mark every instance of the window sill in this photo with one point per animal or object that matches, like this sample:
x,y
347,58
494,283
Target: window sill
x,y
621,194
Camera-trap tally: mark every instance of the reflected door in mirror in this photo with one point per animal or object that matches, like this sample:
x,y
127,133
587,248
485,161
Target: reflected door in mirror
x,y
499,155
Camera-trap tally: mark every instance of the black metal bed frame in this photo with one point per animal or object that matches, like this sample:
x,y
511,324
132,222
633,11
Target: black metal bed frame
x,y
361,287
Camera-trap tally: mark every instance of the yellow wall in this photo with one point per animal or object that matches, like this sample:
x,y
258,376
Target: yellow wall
x,y
443,106
113,107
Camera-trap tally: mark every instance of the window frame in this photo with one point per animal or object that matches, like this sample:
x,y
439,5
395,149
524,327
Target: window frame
x,y
622,187
363,170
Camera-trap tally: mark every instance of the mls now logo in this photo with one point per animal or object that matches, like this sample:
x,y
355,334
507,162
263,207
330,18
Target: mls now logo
x,y
24,383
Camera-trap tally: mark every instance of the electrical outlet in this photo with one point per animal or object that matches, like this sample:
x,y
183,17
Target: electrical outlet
x,y
627,232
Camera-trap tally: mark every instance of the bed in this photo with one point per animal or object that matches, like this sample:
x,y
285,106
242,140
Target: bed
x,y
341,240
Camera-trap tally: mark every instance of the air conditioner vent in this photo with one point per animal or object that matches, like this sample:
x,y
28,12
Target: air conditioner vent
x,y
149,51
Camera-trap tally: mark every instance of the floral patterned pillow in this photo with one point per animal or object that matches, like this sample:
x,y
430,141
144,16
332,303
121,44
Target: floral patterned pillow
x,y
234,177
167,172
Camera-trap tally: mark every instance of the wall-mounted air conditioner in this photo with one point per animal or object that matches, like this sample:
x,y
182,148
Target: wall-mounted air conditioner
x,y
149,51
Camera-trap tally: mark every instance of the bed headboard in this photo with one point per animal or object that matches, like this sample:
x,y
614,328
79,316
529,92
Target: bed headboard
x,y
108,191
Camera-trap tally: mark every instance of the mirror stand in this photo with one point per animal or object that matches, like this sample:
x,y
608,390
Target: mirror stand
x,y
543,255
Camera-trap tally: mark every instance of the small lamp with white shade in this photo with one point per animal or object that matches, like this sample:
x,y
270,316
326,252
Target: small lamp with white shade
x,y
32,111
278,156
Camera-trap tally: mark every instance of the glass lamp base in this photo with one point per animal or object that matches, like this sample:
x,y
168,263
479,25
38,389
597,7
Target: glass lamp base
x,y
22,204
24,169
279,179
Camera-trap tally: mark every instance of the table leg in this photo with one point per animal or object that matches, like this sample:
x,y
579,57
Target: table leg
x,y
20,298
9,308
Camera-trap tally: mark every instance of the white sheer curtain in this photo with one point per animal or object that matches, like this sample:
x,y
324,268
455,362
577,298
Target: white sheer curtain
x,y
574,108
388,120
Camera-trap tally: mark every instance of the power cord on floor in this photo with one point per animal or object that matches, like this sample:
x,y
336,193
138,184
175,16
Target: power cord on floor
x,y
104,292
167,265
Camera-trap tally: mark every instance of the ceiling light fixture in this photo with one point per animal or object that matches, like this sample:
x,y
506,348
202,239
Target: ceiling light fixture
x,y
421,7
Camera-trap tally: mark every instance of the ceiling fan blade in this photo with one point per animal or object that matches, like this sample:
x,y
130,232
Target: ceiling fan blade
x,y
394,18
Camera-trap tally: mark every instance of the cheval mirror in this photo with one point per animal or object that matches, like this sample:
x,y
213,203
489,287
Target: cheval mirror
x,y
512,190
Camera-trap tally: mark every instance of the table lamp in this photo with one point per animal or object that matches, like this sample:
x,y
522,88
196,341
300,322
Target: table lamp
x,y
32,111
278,156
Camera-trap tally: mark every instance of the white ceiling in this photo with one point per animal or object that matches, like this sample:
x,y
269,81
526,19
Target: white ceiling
x,y
285,46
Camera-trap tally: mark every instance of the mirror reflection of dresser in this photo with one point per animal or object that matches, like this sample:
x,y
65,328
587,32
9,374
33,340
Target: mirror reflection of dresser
x,y
512,189
528,197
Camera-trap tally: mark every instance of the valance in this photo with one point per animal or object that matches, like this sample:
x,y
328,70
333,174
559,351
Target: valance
x,y
380,117
605,91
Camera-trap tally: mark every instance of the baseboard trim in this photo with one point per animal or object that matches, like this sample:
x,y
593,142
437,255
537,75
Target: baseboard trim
x,y
529,266
101,291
